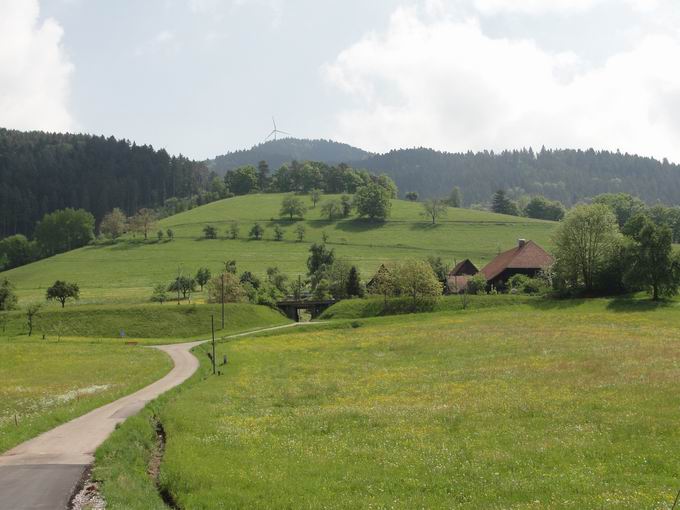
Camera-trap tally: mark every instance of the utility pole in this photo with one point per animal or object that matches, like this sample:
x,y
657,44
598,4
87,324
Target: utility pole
x,y
212,327
222,300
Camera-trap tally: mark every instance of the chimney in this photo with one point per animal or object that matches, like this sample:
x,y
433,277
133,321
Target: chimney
x,y
521,243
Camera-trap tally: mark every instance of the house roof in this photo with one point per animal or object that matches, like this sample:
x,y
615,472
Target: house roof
x,y
464,267
528,255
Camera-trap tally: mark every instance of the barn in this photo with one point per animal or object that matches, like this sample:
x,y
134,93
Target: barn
x,y
527,258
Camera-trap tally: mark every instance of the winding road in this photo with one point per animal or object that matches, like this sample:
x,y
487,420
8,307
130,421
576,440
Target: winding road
x,y
42,473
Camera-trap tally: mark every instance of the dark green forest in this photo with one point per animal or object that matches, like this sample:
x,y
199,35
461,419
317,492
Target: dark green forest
x,y
569,176
286,150
42,172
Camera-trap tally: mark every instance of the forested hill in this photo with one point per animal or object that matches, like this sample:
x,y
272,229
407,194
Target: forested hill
x,y
41,172
279,152
565,175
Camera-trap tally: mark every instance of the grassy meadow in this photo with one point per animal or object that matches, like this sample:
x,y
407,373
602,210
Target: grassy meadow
x,y
46,383
125,272
150,323
542,405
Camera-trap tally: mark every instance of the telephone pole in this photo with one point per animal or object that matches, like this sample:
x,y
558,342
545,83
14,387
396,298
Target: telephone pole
x,y
212,327
222,300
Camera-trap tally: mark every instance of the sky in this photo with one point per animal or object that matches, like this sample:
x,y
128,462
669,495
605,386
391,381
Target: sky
x,y
203,77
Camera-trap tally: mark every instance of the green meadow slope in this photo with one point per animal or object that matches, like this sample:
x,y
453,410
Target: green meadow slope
x,y
549,404
126,271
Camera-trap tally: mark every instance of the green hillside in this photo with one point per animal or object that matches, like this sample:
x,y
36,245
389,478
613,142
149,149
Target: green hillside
x,y
126,271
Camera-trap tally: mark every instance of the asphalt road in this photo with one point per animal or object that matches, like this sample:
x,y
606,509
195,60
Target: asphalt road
x,y
41,474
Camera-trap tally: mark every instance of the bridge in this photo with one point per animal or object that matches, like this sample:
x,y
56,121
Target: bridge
x,y
316,307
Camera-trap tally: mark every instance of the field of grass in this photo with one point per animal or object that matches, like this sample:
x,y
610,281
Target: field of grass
x,y
160,323
544,405
377,307
126,272
46,383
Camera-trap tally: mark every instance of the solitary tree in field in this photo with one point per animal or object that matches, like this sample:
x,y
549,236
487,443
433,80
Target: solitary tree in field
x,y
113,224
210,232
202,277
332,209
159,294
256,232
230,266
300,231
183,285
434,209
584,242
32,313
160,235
234,230
315,196
278,233
170,233
373,201
63,291
293,207
144,222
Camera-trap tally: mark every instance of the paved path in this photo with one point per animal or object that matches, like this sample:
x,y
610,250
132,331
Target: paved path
x,y
42,473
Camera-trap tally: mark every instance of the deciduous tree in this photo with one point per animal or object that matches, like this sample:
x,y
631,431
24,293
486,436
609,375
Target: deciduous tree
x,y
434,209
114,224
63,291
373,201
293,207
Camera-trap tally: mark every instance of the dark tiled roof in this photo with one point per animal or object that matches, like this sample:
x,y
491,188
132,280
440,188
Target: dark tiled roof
x,y
464,267
529,256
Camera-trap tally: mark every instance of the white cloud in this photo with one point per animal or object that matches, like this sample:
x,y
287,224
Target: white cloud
x,y
562,6
34,70
445,83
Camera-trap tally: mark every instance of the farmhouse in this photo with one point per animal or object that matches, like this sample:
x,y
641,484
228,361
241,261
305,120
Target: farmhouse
x,y
459,276
527,258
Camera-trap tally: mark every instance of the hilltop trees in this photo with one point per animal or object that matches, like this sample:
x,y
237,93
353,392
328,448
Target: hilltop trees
x,y
64,230
501,204
543,209
243,180
63,291
585,242
434,209
292,207
412,196
373,201
113,224
16,251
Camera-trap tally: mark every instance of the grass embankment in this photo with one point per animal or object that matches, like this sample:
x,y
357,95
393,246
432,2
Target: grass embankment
x,y
126,271
161,323
544,405
46,383
377,307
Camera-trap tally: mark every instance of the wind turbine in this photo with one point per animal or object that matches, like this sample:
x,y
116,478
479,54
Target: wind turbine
x,y
275,132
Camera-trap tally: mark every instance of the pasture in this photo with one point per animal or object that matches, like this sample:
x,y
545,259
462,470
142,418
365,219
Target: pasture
x,y
126,271
541,405
46,383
